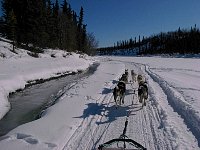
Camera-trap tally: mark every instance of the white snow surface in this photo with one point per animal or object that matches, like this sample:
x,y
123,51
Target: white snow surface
x,y
86,116
19,68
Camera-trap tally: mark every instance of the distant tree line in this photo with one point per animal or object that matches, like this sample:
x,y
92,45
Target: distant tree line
x,y
43,24
182,41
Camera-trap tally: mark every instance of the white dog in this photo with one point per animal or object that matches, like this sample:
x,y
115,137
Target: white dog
x,y
133,75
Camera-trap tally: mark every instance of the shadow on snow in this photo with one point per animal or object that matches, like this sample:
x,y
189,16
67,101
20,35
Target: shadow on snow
x,y
110,112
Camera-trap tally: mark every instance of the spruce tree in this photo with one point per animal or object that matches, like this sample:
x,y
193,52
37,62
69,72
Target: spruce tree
x,y
80,31
11,24
55,31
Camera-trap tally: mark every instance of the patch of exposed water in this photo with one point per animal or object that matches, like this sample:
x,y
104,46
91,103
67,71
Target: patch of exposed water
x,y
27,104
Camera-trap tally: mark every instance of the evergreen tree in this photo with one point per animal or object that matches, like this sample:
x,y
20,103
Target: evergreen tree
x,y
11,24
49,24
2,27
43,24
55,35
80,31
84,39
64,7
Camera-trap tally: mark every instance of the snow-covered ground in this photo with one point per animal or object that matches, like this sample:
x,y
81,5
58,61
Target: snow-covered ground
x,y
86,116
19,68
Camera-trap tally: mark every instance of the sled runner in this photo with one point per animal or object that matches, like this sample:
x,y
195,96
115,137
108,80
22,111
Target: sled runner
x,y
121,143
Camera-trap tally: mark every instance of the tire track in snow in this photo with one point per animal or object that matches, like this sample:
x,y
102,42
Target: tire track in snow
x,y
88,127
173,137
180,106
152,138
152,126
139,126
81,139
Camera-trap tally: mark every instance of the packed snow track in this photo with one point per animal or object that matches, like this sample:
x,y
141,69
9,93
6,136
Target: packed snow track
x,y
159,125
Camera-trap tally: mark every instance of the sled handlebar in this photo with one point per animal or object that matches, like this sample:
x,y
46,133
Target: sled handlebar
x,y
132,142
123,138
126,123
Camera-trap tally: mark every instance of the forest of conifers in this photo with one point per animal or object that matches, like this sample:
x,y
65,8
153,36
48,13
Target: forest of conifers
x,y
38,24
182,41
42,24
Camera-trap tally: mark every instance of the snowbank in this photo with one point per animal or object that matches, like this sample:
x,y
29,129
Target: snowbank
x,y
19,68
60,121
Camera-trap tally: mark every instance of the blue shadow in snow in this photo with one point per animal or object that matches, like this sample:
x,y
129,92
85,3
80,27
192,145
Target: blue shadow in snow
x,y
106,91
111,113
92,109
115,81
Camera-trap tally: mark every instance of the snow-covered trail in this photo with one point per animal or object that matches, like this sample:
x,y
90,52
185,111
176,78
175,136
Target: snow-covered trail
x,y
156,126
85,116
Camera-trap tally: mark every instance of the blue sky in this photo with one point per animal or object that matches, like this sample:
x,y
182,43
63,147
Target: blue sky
x,y
114,20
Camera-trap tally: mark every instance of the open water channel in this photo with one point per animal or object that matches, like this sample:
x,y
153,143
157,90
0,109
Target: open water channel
x,y
28,104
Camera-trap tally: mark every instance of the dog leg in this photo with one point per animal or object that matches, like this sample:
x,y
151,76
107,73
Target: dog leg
x,y
123,98
115,98
116,102
140,98
133,99
144,102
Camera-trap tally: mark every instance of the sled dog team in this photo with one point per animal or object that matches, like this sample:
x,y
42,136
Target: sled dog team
x,y
120,89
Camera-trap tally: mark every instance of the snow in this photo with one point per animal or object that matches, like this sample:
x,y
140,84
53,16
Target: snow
x,y
85,116
19,68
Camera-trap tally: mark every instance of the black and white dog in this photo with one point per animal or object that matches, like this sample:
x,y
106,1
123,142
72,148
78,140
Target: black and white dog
x,y
119,93
140,78
143,92
124,78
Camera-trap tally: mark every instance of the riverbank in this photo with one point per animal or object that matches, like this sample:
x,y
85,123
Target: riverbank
x,y
19,69
30,103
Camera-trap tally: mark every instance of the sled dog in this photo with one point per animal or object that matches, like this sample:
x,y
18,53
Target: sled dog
x,y
119,93
133,75
126,72
140,78
143,92
124,78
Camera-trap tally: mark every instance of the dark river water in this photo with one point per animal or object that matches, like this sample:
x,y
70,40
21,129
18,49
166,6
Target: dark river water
x,y
28,104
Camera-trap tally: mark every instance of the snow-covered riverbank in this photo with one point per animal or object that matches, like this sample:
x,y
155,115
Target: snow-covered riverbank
x,y
19,68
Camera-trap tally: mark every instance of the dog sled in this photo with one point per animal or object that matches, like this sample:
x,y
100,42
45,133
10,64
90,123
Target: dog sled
x,y
121,143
